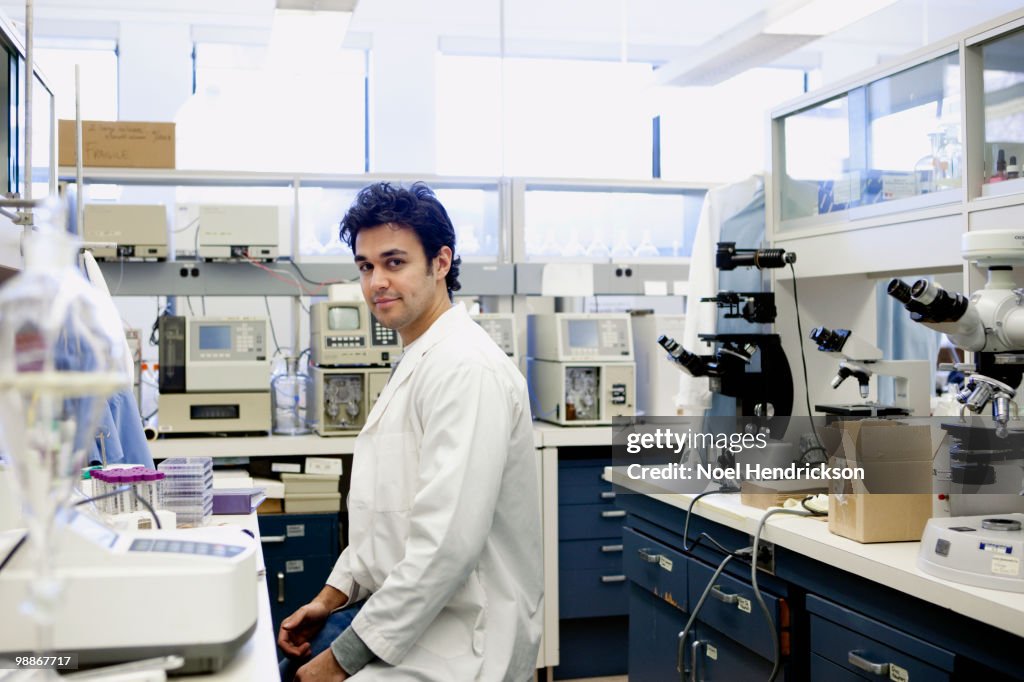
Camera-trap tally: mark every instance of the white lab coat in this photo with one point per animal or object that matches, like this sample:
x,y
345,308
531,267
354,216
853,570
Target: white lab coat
x,y
444,509
720,204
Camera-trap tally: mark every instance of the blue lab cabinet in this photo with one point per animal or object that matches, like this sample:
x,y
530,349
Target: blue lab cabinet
x,y
593,600
299,551
836,626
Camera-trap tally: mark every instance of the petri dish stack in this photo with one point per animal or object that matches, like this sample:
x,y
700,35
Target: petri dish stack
x,y
187,489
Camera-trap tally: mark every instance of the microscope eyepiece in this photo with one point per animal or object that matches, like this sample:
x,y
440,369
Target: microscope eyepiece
x,y
728,257
935,304
899,290
692,363
830,341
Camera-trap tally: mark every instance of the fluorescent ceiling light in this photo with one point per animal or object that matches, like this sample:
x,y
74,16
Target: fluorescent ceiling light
x,y
822,17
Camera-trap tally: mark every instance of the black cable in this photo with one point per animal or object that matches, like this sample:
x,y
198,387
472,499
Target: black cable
x,y
14,550
702,536
803,360
297,269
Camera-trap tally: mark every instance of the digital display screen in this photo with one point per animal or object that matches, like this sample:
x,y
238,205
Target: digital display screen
x,y
583,334
343,318
215,337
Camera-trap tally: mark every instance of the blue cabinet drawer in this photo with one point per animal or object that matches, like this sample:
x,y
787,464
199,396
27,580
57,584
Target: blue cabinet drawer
x,y
289,535
826,671
872,649
599,493
292,582
604,554
655,567
715,657
732,609
582,473
654,628
590,593
589,521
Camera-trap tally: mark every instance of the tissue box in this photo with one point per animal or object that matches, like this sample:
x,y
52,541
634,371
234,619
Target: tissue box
x,y
897,462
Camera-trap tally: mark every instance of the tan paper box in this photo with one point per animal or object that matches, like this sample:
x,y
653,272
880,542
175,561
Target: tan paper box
x,y
118,144
896,458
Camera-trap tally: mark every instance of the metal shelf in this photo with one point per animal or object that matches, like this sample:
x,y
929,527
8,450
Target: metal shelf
x,y
195,278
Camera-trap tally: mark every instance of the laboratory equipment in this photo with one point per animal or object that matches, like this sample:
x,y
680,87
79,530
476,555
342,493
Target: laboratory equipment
x,y
501,327
58,367
989,322
289,392
343,397
590,337
581,393
127,594
752,368
187,489
860,360
134,230
237,232
344,333
214,375
975,550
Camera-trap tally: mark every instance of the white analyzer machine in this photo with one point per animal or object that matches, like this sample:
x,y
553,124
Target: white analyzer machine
x,y
214,375
344,333
238,232
580,367
126,230
134,595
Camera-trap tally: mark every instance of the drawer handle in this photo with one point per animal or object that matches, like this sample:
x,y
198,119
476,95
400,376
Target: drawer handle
x,y
646,555
613,578
608,549
717,593
617,514
271,539
607,495
280,587
864,664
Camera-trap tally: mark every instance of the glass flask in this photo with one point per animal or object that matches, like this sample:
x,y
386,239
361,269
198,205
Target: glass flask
x,y
289,391
58,367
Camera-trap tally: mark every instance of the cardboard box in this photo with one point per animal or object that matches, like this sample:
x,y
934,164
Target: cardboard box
x,y
118,144
897,463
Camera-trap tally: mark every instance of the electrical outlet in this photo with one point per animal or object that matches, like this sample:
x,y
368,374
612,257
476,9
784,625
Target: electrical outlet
x,y
765,556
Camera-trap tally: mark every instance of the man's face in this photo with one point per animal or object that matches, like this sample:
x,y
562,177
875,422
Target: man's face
x,y
404,291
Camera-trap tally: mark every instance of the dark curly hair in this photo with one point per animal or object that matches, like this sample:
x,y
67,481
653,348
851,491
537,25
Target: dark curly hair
x,y
416,208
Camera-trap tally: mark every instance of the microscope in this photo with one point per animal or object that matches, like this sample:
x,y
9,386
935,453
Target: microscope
x,y
976,549
860,360
765,393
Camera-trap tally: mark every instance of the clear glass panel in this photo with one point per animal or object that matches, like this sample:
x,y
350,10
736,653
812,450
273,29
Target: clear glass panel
x,y
1003,61
474,212
604,223
913,133
817,177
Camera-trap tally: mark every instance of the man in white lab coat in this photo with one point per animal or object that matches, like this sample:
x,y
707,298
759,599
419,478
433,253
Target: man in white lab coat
x,y
444,511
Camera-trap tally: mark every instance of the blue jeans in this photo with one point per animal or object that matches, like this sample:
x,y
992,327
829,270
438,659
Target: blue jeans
x,y
336,623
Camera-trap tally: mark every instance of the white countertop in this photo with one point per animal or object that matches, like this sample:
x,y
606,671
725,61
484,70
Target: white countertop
x,y
893,564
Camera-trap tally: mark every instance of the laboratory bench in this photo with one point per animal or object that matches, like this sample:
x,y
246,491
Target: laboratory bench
x,y
847,611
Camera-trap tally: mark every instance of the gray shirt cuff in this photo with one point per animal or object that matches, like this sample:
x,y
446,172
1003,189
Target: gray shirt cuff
x,y
351,652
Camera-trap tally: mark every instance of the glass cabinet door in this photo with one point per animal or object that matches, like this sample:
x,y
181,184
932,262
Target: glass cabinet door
x,y
894,138
913,141
1003,64
598,223
816,177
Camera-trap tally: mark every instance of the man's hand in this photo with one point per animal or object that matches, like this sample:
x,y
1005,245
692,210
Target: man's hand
x,y
323,668
302,626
